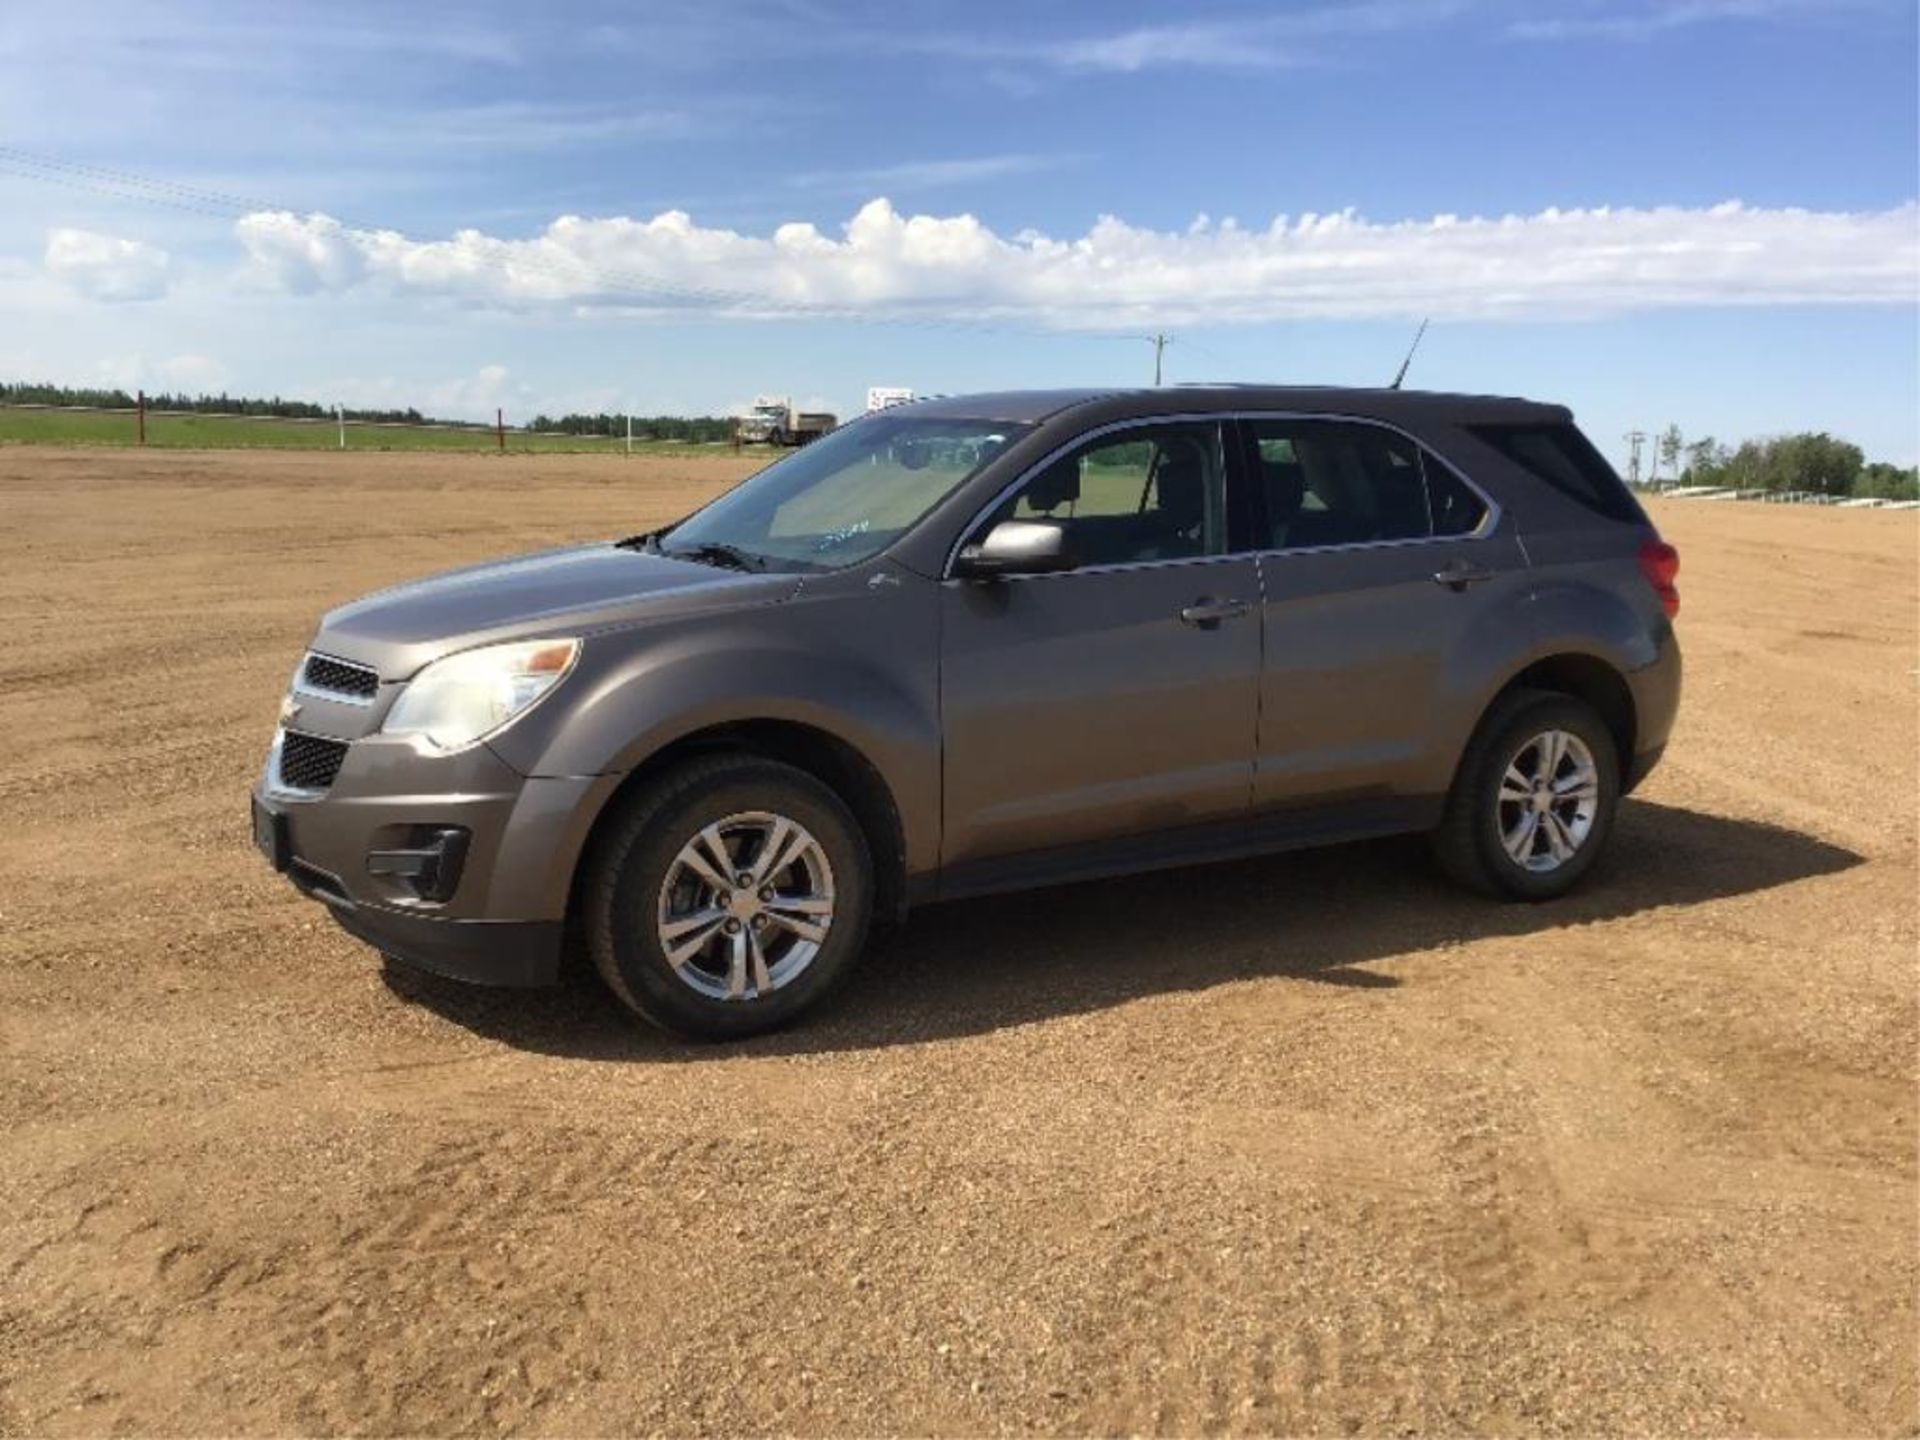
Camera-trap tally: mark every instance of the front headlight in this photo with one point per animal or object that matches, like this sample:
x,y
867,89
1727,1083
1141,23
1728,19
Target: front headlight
x,y
465,697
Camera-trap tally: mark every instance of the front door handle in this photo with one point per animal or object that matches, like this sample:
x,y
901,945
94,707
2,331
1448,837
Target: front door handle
x,y
1460,574
1205,614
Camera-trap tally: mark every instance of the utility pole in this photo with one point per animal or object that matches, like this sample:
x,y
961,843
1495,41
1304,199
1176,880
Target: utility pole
x,y
1159,343
340,416
1635,438
629,434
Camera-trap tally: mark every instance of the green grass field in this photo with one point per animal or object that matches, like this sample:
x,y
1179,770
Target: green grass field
x,y
205,432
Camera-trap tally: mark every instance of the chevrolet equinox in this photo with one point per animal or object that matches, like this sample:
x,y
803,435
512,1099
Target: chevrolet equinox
x,y
977,644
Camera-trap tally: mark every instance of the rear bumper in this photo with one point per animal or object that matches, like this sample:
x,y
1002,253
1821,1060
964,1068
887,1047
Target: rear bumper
x,y
1641,767
1656,701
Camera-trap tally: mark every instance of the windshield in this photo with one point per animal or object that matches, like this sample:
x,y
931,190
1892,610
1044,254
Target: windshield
x,y
848,495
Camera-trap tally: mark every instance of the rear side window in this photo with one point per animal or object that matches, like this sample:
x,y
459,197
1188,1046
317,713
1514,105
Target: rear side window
x,y
1565,459
1326,483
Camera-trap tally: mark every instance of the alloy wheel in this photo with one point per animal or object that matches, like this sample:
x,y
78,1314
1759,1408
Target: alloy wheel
x,y
1549,798
745,906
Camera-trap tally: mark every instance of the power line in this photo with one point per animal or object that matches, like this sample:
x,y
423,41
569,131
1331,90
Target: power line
x,y
1159,341
1635,438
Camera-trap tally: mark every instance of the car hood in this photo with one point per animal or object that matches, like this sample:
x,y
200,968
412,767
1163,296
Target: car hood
x,y
577,589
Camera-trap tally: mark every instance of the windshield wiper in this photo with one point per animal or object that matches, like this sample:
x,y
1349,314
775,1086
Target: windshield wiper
x,y
718,552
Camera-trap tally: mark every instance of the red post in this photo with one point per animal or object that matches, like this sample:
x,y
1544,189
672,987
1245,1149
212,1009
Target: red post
x,y
500,428
141,407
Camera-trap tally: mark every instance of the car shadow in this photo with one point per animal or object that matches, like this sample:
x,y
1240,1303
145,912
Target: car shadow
x,y
1314,916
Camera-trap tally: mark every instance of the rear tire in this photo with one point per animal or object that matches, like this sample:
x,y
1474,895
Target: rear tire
x,y
720,951
1534,799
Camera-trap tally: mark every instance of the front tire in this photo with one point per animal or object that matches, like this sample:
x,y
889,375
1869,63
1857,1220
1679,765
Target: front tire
x,y
1534,799
728,897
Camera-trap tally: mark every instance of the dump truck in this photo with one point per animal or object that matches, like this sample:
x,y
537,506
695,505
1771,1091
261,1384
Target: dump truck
x,y
774,421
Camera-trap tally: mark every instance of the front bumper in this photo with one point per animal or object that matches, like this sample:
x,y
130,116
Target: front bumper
x,y
481,952
501,922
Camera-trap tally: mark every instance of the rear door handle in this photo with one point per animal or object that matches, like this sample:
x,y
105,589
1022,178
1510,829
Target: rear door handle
x,y
1461,574
1207,614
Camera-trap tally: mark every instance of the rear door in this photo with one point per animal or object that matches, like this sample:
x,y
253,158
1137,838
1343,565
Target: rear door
x,y
1120,697
1379,564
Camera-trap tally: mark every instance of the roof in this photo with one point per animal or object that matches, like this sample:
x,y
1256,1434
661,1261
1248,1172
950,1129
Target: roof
x,y
1032,406
1021,407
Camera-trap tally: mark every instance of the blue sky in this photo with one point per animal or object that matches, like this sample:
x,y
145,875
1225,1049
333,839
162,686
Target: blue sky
x,y
1696,211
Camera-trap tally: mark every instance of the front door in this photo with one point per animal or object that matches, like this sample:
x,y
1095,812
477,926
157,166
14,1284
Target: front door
x,y
1120,697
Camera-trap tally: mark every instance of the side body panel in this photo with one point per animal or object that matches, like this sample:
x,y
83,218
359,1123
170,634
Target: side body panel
x,y
853,655
1081,706
1375,672
1591,598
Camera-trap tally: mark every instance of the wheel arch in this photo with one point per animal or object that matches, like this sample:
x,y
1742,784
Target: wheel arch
x,y
832,760
1588,678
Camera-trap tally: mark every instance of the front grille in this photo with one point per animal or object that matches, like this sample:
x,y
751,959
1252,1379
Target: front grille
x,y
339,677
307,762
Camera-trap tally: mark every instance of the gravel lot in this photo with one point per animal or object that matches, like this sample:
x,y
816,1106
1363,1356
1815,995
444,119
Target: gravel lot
x,y
1310,1144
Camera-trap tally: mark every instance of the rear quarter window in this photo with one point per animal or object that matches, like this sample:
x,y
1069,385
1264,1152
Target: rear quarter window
x,y
1560,456
1456,509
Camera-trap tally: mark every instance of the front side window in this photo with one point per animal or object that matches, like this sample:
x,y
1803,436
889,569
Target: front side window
x,y
1152,492
845,497
1328,482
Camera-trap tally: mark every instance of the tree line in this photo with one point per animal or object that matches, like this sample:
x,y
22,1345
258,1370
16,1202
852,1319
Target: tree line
x,y
695,429
221,404
650,427
1812,462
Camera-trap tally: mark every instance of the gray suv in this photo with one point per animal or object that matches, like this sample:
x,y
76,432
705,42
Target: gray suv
x,y
979,644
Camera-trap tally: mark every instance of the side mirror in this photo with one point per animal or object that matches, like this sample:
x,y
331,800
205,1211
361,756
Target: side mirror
x,y
1016,547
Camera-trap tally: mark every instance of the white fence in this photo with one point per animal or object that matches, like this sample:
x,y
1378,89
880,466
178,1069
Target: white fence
x,y
1779,497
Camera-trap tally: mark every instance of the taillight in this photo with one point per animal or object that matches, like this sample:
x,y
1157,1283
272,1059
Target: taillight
x,y
1660,563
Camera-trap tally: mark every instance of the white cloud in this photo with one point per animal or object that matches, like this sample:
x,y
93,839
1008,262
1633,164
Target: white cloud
x,y
1646,19
186,374
195,374
1208,46
1556,263
105,267
930,174
1275,38
475,394
518,125
461,397
304,255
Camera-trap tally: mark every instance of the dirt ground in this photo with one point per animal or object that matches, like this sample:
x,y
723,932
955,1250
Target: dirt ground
x,y
1310,1144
